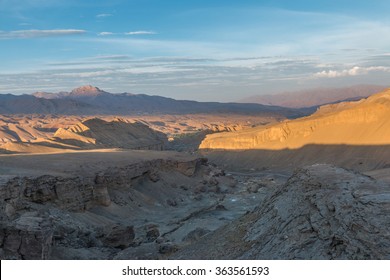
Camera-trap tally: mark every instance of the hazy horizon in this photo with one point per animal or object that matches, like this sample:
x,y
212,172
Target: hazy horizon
x,y
247,99
204,51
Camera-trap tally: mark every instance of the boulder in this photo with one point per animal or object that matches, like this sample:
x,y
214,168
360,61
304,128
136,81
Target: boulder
x,y
152,232
119,236
29,237
167,248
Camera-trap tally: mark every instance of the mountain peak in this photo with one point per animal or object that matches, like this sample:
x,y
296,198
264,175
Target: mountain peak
x,y
87,90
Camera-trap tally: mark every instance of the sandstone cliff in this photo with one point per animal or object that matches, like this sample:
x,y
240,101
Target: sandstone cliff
x,y
364,122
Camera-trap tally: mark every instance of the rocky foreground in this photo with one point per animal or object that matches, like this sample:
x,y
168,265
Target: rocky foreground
x,y
322,212
157,205
112,204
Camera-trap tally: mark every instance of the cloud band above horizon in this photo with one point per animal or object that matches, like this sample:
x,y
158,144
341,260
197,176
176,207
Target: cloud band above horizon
x,y
35,33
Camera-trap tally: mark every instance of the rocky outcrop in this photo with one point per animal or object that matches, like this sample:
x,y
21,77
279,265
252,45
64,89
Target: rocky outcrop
x,y
119,205
52,216
82,193
27,237
322,212
74,194
119,236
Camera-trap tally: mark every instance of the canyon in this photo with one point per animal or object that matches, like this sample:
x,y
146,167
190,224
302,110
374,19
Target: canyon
x,y
196,186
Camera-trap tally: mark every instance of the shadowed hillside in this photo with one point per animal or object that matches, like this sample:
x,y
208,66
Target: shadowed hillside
x,y
362,158
94,134
97,133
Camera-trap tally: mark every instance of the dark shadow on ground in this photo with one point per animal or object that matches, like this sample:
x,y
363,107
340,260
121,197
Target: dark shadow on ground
x,y
360,158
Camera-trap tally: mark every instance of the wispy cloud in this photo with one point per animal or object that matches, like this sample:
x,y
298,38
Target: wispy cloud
x,y
354,71
105,33
109,57
140,32
34,33
103,15
201,78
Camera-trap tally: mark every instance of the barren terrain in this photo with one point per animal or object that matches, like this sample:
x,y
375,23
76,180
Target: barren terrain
x,y
116,204
349,134
43,133
137,187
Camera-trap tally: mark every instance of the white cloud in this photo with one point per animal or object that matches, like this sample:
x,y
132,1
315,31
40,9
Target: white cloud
x,y
34,33
105,33
127,33
103,15
85,73
140,32
354,71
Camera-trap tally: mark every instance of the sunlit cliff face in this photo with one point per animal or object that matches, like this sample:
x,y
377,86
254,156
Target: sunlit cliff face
x,y
364,122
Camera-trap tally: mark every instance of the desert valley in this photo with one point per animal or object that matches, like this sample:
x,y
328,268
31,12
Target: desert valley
x,y
89,174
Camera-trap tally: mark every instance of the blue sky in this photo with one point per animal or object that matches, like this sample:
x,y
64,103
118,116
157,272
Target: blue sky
x,y
200,50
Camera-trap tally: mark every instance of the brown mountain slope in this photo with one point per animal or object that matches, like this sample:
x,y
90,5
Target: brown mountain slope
x,y
89,134
19,132
97,133
364,122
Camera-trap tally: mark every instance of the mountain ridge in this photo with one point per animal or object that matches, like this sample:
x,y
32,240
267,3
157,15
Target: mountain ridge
x,y
89,100
315,97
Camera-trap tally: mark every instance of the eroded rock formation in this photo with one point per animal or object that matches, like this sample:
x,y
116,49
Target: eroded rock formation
x,y
100,211
364,122
322,212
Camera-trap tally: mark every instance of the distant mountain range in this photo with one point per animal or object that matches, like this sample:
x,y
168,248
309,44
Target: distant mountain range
x,y
89,100
314,97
